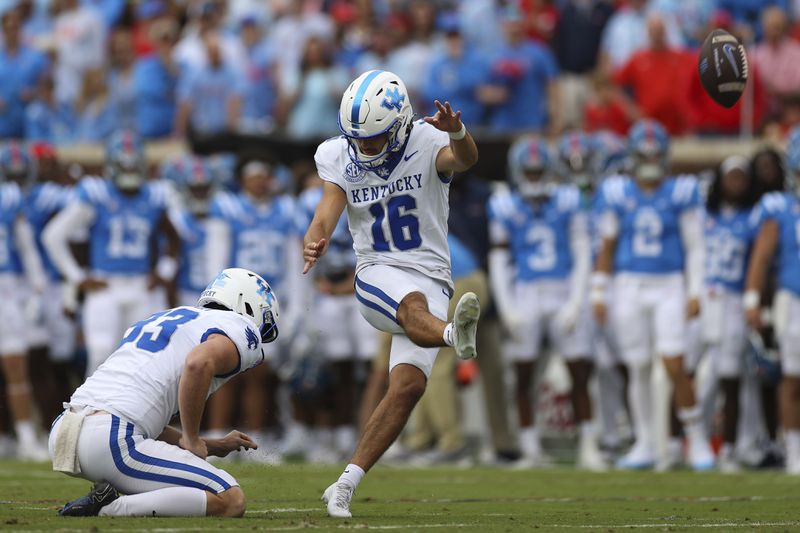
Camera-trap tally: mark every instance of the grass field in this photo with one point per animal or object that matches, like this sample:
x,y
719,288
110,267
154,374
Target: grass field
x,y
287,499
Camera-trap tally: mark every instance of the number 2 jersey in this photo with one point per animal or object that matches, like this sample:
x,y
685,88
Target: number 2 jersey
x,y
396,217
649,236
139,381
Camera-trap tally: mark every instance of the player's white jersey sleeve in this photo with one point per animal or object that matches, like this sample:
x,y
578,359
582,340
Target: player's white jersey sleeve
x,y
139,381
396,217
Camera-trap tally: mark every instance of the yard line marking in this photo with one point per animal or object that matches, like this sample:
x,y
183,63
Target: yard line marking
x,y
673,525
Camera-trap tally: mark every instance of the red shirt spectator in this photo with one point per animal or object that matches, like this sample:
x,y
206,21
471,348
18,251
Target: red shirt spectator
x,y
541,19
778,57
707,116
607,108
656,75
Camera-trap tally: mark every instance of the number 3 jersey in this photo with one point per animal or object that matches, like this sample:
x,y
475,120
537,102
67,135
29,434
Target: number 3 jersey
x,y
396,217
139,381
648,224
538,234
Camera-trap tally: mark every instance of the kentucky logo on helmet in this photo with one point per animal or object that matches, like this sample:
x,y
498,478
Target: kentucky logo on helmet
x,y
393,99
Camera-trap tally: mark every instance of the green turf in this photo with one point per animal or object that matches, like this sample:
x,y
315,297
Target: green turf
x,y
287,499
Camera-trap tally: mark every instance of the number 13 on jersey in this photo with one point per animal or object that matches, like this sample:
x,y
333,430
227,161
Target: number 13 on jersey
x,y
403,225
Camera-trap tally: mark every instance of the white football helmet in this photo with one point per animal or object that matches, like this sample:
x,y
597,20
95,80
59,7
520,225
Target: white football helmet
x,y
245,293
377,102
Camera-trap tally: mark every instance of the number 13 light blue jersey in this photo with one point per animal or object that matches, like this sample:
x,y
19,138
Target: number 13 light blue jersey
x,y
120,236
649,237
538,235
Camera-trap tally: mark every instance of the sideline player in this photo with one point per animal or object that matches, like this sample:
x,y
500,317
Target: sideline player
x,y
114,430
780,234
393,175
19,263
123,213
651,234
539,269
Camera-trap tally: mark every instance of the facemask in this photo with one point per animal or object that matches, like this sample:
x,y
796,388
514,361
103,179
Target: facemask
x,y
649,172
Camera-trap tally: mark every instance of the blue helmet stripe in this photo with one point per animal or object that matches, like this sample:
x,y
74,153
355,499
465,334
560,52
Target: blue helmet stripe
x,y
360,95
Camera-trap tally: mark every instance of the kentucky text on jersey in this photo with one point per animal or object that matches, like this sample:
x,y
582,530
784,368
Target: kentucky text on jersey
x,y
376,192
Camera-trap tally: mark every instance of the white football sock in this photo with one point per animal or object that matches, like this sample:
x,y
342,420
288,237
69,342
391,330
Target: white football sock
x,y
692,420
26,433
587,431
447,336
172,501
640,398
792,437
529,441
609,404
352,475
345,439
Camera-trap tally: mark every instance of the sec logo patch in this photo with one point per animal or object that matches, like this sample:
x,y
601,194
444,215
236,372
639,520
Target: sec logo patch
x,y
352,173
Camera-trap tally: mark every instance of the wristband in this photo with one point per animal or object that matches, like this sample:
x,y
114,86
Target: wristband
x,y
751,300
599,281
167,267
458,135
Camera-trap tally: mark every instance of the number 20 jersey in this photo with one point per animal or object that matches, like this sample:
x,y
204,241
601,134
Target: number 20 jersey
x,y
649,238
399,218
139,381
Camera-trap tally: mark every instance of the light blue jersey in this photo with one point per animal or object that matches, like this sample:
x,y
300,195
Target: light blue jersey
x,y
120,235
193,260
260,233
538,234
784,209
649,239
43,202
11,206
340,257
728,239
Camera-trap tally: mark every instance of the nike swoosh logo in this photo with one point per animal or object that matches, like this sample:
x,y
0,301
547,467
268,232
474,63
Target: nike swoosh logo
x,y
346,471
729,49
409,156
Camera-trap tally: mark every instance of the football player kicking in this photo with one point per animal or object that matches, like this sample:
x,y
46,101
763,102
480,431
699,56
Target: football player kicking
x,y
114,429
393,175
651,234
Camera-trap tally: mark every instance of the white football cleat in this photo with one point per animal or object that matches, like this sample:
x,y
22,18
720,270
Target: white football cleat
x,y
727,461
465,324
639,458
589,456
701,456
337,497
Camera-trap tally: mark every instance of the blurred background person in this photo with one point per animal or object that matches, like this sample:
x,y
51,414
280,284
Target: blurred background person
x,y
79,35
310,96
521,90
121,79
653,72
260,79
96,116
209,95
47,119
775,58
155,80
21,67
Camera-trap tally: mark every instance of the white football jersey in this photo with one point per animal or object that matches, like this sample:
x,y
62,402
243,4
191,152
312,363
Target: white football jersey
x,y
399,218
139,381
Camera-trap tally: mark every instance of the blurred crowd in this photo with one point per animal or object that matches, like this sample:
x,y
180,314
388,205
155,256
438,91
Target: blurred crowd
x,y
76,70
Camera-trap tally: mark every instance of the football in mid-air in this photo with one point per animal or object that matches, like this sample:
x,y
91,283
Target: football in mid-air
x,y
723,67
